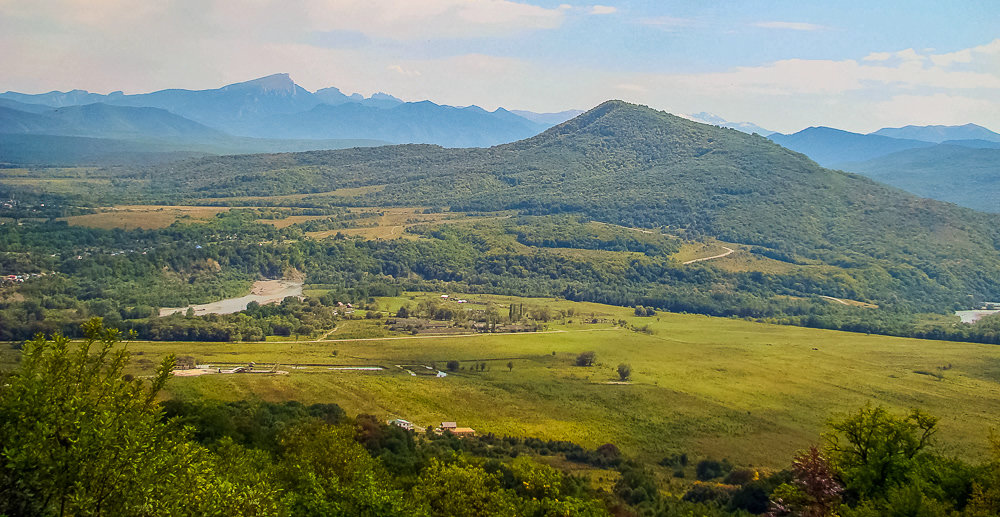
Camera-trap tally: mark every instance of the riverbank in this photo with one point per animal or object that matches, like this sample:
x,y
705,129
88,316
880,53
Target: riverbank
x,y
262,292
974,316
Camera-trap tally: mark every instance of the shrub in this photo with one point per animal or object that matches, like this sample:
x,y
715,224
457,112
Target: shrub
x,y
711,469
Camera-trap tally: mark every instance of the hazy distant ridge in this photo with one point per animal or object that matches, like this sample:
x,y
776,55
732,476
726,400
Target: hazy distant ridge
x,y
275,107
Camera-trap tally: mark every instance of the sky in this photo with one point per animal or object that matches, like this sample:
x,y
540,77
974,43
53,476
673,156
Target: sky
x,y
784,65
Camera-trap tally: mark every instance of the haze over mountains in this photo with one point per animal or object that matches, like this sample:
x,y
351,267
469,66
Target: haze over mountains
x,y
272,107
715,120
273,114
958,164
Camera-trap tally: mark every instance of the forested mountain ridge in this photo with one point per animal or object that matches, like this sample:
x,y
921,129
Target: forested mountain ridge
x,y
940,134
955,170
832,147
100,120
955,173
631,165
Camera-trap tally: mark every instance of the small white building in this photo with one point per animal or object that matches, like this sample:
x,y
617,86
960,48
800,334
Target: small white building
x,y
399,422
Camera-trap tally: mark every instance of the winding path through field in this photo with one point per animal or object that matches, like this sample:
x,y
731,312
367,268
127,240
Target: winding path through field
x,y
728,251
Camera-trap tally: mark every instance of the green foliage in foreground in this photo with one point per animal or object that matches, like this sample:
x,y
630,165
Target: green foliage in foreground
x,y
82,438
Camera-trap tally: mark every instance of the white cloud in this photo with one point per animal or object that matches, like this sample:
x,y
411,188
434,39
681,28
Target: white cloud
x,y
430,19
403,71
940,108
603,9
878,56
387,19
793,26
967,55
635,88
962,56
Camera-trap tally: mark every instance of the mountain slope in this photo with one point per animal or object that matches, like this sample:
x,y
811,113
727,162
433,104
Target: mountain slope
x,y
412,122
634,166
939,134
957,174
121,121
104,121
550,119
17,121
21,106
830,147
59,150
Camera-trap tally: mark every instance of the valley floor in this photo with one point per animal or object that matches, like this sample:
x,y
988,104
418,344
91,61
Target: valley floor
x,y
709,387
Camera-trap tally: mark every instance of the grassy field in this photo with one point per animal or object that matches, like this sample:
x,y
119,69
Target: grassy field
x,y
711,387
344,192
390,224
147,217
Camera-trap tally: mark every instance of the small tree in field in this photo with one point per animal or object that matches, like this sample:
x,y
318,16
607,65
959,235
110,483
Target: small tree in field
x,y
510,366
624,371
586,359
452,365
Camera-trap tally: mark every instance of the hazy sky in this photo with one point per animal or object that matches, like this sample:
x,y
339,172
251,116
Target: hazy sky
x,y
854,64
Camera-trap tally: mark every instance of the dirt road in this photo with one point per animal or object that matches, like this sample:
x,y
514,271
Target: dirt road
x,y
728,251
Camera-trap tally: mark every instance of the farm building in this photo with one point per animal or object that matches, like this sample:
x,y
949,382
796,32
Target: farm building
x,y
453,428
399,422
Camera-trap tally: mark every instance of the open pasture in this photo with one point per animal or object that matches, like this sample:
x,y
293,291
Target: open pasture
x,y
147,217
339,193
712,387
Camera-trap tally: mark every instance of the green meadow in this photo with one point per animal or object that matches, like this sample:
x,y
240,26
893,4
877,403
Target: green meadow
x,y
709,387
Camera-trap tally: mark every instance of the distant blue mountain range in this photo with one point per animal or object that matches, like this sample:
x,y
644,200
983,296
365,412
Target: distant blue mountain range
x,y
272,107
959,164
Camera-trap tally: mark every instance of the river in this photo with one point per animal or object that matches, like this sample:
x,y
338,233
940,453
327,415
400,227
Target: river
x,y
974,316
262,292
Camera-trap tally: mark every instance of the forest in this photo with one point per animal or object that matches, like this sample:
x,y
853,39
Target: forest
x,y
126,276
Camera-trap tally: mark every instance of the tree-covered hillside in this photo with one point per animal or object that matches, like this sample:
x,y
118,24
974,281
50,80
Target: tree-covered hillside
x,y
630,165
953,173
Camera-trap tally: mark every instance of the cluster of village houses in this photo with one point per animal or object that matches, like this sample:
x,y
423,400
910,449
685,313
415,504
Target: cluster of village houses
x,y
450,427
17,279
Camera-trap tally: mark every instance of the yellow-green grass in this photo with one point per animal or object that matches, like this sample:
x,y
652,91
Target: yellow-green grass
x,y
50,172
695,250
394,221
292,219
343,192
711,387
59,185
391,224
143,216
